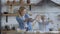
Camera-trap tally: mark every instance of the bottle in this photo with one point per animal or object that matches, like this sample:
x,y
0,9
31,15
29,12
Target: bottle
x,y
28,1
10,8
8,2
14,2
7,27
21,2
13,28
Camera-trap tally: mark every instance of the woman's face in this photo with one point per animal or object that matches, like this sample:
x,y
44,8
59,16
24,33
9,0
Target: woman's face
x,y
23,12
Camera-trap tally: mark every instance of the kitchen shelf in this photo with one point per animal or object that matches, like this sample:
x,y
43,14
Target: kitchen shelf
x,y
9,14
17,4
14,4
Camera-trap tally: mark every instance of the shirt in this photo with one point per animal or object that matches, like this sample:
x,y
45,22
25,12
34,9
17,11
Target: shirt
x,y
22,24
43,26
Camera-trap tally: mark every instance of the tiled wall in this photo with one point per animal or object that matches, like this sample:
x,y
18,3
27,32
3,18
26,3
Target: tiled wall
x,y
49,11
52,15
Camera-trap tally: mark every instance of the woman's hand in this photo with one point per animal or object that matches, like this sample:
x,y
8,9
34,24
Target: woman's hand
x,y
28,19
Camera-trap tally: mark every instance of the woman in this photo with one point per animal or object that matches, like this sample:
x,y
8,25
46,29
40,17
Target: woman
x,y
23,19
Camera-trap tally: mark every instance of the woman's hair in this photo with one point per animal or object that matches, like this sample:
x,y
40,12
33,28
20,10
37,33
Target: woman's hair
x,y
21,9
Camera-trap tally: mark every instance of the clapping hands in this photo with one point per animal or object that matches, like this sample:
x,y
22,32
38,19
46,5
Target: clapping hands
x,y
28,19
37,18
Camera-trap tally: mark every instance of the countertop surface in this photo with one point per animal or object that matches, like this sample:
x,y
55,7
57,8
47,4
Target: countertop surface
x,y
14,32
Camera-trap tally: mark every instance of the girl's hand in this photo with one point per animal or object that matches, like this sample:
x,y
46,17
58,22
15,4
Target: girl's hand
x,y
37,18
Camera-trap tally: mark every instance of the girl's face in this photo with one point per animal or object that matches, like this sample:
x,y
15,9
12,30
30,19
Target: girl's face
x,y
23,12
43,18
38,17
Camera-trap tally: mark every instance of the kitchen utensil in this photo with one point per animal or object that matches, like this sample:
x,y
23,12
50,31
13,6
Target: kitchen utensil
x,y
6,16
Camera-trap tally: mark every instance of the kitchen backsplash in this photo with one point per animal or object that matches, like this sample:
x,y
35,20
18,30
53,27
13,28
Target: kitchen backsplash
x,y
49,11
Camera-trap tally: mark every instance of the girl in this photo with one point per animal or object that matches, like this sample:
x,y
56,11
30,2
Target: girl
x,y
44,24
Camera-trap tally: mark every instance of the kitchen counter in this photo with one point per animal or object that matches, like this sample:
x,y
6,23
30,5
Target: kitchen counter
x,y
29,32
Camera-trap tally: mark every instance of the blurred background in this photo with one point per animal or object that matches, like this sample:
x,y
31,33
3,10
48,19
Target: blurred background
x,y
49,8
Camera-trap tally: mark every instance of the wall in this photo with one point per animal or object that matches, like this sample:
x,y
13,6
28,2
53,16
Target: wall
x,y
49,11
56,1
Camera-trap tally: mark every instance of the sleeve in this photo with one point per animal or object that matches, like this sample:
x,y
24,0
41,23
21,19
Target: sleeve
x,y
27,16
19,20
21,23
